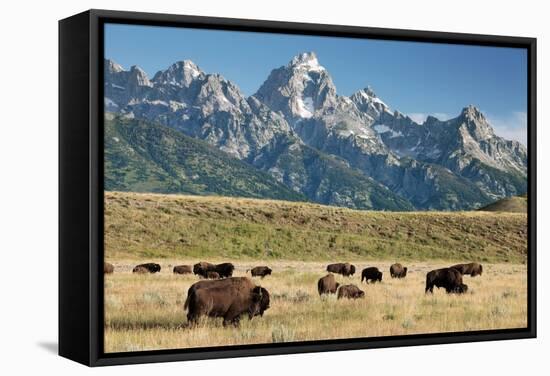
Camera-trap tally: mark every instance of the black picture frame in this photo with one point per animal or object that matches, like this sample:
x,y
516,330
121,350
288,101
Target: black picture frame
x,y
81,186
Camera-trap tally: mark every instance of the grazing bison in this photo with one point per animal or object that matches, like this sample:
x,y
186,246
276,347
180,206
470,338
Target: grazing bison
x,y
151,267
371,274
473,268
212,275
398,271
327,285
448,278
140,270
229,300
108,268
242,282
183,269
350,292
344,268
202,268
225,269
260,271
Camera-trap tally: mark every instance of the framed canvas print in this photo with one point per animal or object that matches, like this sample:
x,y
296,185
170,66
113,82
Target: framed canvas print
x,y
240,187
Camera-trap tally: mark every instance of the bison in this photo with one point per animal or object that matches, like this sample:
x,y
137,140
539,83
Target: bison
x,y
202,268
140,270
473,268
229,300
243,282
212,275
448,278
344,268
350,292
327,285
108,268
183,269
260,271
398,271
371,274
151,267
224,270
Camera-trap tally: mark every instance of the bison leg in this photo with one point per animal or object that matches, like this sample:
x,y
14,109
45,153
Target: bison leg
x,y
234,321
192,319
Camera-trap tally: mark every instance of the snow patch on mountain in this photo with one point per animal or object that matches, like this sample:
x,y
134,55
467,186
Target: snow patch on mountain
x,y
305,107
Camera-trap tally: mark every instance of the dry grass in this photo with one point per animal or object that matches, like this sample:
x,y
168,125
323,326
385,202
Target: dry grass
x,y
145,312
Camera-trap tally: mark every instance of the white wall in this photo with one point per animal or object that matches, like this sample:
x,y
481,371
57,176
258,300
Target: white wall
x,y
28,183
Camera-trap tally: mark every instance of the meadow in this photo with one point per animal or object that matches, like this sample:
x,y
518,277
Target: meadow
x,y
145,312
297,240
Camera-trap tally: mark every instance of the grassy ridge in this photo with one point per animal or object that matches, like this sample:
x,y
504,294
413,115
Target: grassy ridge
x,y
517,204
149,226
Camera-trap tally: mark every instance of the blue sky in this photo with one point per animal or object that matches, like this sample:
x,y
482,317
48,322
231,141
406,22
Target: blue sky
x,y
414,78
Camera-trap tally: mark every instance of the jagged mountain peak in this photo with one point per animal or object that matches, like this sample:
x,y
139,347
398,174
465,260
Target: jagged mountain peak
x,y
111,66
300,90
368,102
181,73
471,112
139,77
307,61
472,119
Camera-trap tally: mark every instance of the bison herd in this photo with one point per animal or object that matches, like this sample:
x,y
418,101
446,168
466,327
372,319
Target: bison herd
x,y
448,278
221,295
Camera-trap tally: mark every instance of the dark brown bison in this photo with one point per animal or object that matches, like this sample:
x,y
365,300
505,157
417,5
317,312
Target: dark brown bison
x,y
242,282
350,292
448,278
108,268
202,268
371,274
183,269
140,270
344,268
151,267
327,285
224,270
260,271
398,271
212,275
230,301
473,268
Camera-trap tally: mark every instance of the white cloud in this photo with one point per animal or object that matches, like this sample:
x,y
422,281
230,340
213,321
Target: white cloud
x,y
420,117
510,127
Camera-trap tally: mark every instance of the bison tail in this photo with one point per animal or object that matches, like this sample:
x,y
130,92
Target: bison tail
x,y
188,299
480,269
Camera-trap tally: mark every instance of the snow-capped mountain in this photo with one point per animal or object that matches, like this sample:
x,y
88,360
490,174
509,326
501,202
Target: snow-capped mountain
x,y
211,108
370,137
299,130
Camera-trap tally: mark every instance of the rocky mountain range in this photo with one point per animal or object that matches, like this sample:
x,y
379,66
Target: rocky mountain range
x,y
347,151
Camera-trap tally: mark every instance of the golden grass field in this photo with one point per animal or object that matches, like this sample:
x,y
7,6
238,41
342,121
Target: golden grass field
x,y
297,240
145,312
